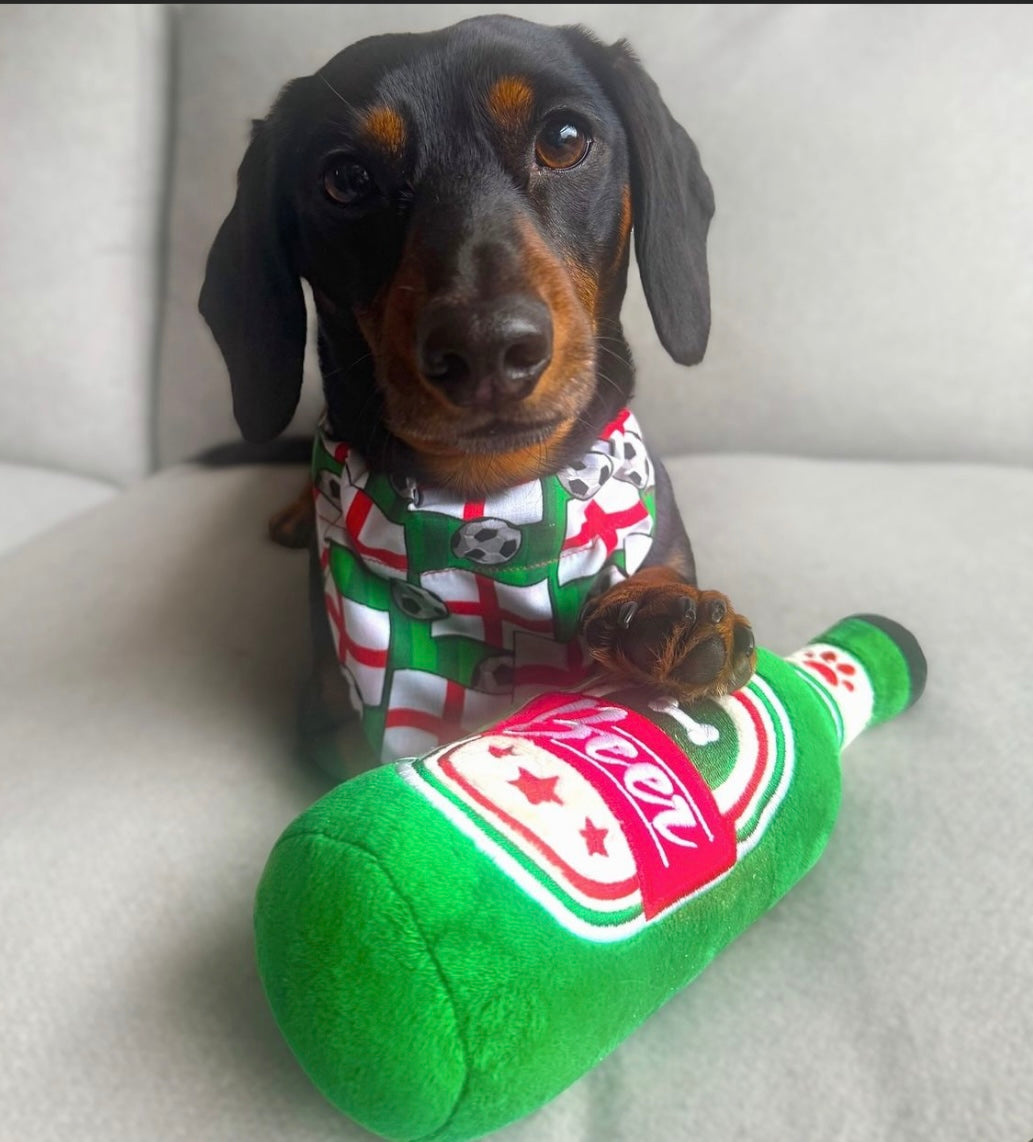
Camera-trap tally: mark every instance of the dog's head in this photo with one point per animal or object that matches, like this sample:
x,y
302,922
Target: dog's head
x,y
460,203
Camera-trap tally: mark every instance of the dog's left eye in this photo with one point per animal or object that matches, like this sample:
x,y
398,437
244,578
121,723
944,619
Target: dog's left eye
x,y
345,181
561,144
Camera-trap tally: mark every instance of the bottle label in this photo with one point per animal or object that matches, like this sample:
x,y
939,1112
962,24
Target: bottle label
x,y
842,683
599,815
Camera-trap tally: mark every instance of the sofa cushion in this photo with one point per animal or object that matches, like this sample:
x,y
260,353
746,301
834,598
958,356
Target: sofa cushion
x,y
83,106
33,500
869,256
152,655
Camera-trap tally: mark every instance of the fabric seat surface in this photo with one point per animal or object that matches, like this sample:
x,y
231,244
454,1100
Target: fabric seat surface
x,y
35,499
153,653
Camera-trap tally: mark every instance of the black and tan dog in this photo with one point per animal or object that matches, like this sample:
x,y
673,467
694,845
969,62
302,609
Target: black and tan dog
x,y
462,204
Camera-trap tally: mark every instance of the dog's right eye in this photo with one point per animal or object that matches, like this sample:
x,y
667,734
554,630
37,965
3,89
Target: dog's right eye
x,y
345,181
561,144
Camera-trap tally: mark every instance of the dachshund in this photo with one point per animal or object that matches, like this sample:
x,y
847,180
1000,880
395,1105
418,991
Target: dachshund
x,y
462,204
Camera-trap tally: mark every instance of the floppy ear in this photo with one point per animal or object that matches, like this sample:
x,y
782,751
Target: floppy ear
x,y
252,299
672,201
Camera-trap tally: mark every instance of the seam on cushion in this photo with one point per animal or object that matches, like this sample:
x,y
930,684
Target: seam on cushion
x,y
443,979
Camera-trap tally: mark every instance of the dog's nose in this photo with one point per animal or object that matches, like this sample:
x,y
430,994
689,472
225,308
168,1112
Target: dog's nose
x,y
485,354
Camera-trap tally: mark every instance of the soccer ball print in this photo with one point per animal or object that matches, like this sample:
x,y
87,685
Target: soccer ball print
x,y
584,478
487,541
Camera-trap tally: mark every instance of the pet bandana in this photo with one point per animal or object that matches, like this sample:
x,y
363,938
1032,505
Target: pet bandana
x,y
446,613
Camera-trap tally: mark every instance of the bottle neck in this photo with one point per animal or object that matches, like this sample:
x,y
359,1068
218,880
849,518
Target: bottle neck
x,y
841,681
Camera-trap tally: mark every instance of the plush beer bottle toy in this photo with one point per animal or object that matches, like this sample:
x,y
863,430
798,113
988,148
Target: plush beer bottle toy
x,y
449,942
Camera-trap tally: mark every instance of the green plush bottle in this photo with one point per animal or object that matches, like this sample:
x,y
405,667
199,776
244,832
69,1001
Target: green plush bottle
x,y
449,942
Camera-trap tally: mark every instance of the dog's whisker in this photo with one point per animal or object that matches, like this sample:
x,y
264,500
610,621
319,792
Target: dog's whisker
x,y
603,339
608,379
346,368
359,361
623,360
350,106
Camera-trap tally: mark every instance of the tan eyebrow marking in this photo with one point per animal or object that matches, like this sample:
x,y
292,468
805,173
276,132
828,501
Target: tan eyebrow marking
x,y
386,128
511,101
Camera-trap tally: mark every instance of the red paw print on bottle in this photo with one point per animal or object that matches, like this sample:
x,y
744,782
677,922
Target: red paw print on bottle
x,y
830,667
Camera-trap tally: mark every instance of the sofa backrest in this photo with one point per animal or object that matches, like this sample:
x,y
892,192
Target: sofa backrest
x,y
872,254
83,102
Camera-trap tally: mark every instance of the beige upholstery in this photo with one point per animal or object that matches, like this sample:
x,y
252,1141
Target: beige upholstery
x,y
84,93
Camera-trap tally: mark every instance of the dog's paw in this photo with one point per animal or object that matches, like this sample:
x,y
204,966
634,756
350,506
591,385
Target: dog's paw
x,y
294,525
659,631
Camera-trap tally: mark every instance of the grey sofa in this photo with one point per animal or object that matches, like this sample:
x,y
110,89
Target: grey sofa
x,y
859,437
